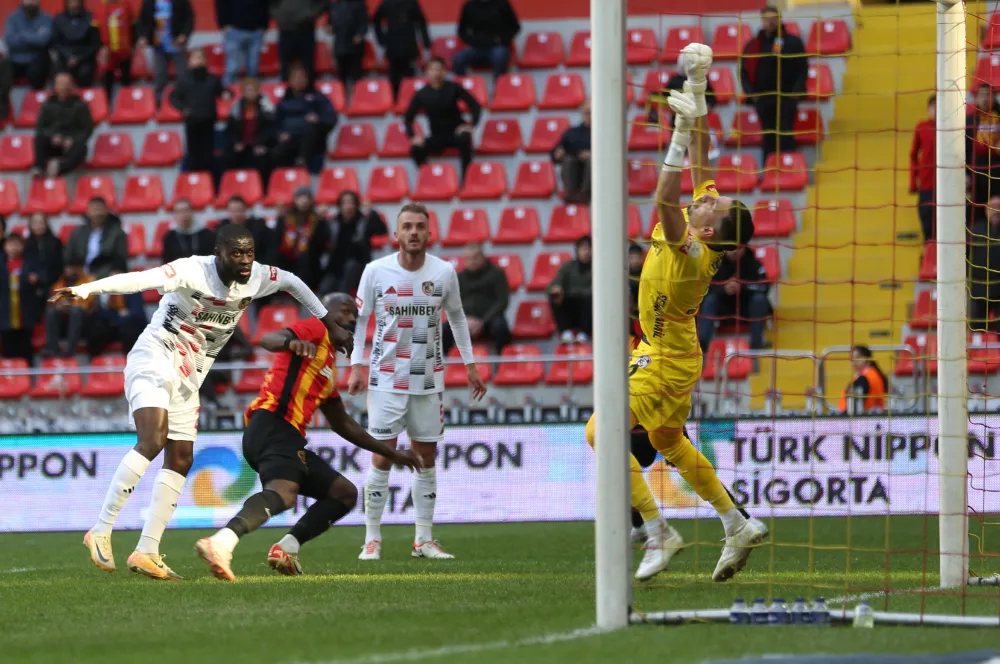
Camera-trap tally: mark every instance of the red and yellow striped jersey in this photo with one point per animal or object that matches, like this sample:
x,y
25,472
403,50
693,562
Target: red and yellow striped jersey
x,y
295,386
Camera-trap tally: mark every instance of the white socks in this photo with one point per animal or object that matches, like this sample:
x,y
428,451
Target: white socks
x,y
289,544
226,538
130,471
424,497
166,490
376,495
655,529
732,521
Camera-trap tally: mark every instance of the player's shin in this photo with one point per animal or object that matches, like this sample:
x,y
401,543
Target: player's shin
x,y
166,490
318,518
257,509
424,498
376,494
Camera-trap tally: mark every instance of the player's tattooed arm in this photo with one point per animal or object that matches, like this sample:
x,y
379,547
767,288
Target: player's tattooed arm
x,y
285,340
344,426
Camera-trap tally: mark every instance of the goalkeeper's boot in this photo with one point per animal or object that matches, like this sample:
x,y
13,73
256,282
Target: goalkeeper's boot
x,y
151,565
662,545
283,562
100,550
219,559
639,534
738,548
372,550
430,549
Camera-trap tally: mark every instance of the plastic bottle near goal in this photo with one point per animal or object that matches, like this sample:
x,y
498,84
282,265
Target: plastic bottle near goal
x,y
800,613
820,613
864,617
739,612
778,613
759,612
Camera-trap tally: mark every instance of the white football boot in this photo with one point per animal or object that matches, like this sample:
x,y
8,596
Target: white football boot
x,y
738,548
430,549
219,559
372,550
100,550
639,534
662,544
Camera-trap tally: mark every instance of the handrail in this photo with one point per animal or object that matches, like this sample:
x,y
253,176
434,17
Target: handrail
x,y
722,379
898,348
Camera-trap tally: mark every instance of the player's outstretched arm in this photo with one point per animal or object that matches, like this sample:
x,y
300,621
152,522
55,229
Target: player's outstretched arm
x,y
165,278
696,59
340,338
344,426
668,187
285,340
452,303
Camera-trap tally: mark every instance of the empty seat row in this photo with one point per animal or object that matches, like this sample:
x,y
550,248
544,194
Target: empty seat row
x,y
63,384
983,350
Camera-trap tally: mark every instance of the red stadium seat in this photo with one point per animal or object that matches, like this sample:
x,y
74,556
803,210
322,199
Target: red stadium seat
x,y
546,265
829,37
105,385
924,355
161,148
925,310
240,182
446,48
678,37
578,372
10,200
397,143
928,264
542,50
269,65
323,63
251,379
984,353
17,153
436,182
634,224
475,86
167,112
991,36
356,140
729,40
770,261
371,96
335,181
736,173
535,179
455,373
721,80
65,231
739,367
283,183
819,84
58,385
773,218
334,91
97,100
27,116
484,180
518,225
513,92
111,151
408,88
457,262
88,187
746,130
467,225
568,223
162,228
579,50
642,176
274,317
197,187
563,91
388,184
785,172
274,91
136,240
500,136
142,193
11,386
46,195
135,105
546,134
511,374
641,47
808,127
644,135
988,70
512,268
533,320
215,59
656,80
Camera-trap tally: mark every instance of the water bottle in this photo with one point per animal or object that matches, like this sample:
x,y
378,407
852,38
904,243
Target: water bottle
x,y
820,614
864,617
778,613
799,613
758,612
739,613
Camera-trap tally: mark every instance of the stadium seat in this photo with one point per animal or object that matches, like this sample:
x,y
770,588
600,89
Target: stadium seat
x,y
167,113
644,135
641,47
215,59
500,136
512,268
991,35
928,264
736,173
446,48
111,151
408,88
58,385
790,174
333,182
721,80
105,385
17,153
97,100
829,37
334,91
283,183
535,179
27,115
65,231
924,355
642,177
46,195
925,310
533,320
573,372
739,367
513,92
475,86
142,193
160,149
240,182
457,262
269,65
518,225
251,379
546,265
988,70
436,182
10,199
579,50
729,40
484,180
542,50
568,224
136,240
455,373
323,63
11,386
511,374
773,218
678,37
467,225
397,143
161,229
634,221
546,133
984,353
88,187
388,184
134,105
819,84
274,91
356,140
274,317
808,127
654,83
746,130
563,91
770,260
371,96
197,187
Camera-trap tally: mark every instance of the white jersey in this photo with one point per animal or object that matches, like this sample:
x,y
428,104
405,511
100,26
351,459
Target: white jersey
x,y
198,313
406,351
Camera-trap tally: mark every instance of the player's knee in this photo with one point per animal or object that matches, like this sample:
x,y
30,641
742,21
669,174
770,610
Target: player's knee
x,y
288,497
345,492
668,442
591,430
179,458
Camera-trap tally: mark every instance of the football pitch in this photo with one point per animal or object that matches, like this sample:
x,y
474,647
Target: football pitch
x,y
516,593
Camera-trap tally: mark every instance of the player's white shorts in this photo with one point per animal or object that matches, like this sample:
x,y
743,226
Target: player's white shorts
x,y
421,415
152,381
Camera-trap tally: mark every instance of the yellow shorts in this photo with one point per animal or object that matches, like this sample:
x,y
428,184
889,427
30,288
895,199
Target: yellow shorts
x,y
660,388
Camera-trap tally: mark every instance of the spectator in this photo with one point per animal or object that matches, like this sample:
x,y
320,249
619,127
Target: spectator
x,y
305,118
28,35
773,73
573,152
250,131
397,25
99,245
22,298
923,164
167,25
66,320
439,100
485,296
114,19
76,41
184,240
984,257
303,239
120,318
64,125
869,387
738,290
243,24
44,249
352,233
488,27
6,84
570,295
263,236
349,24
982,143
296,21
195,96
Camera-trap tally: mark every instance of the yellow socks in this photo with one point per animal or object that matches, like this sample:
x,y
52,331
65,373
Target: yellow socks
x,y
694,468
642,497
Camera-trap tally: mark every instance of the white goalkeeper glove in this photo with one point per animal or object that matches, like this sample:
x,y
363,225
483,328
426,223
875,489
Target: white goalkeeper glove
x,y
685,108
695,60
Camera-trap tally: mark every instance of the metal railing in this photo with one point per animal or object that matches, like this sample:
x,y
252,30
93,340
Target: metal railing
x,y
920,373
722,378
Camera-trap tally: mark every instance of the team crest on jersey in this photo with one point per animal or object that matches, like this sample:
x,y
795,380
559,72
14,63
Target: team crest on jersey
x,y
642,362
428,288
245,302
358,301
274,274
169,269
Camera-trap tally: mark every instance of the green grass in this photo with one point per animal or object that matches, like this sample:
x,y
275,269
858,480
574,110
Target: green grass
x,y
511,582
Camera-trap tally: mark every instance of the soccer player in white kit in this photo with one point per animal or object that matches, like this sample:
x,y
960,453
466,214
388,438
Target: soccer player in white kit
x,y
204,299
406,292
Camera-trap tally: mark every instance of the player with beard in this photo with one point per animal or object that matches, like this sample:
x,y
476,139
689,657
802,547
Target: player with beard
x,y
204,299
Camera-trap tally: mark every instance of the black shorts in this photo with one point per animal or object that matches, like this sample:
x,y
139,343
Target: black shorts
x,y
277,451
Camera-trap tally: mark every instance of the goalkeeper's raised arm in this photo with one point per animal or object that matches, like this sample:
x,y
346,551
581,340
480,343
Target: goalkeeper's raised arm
x,y
695,60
